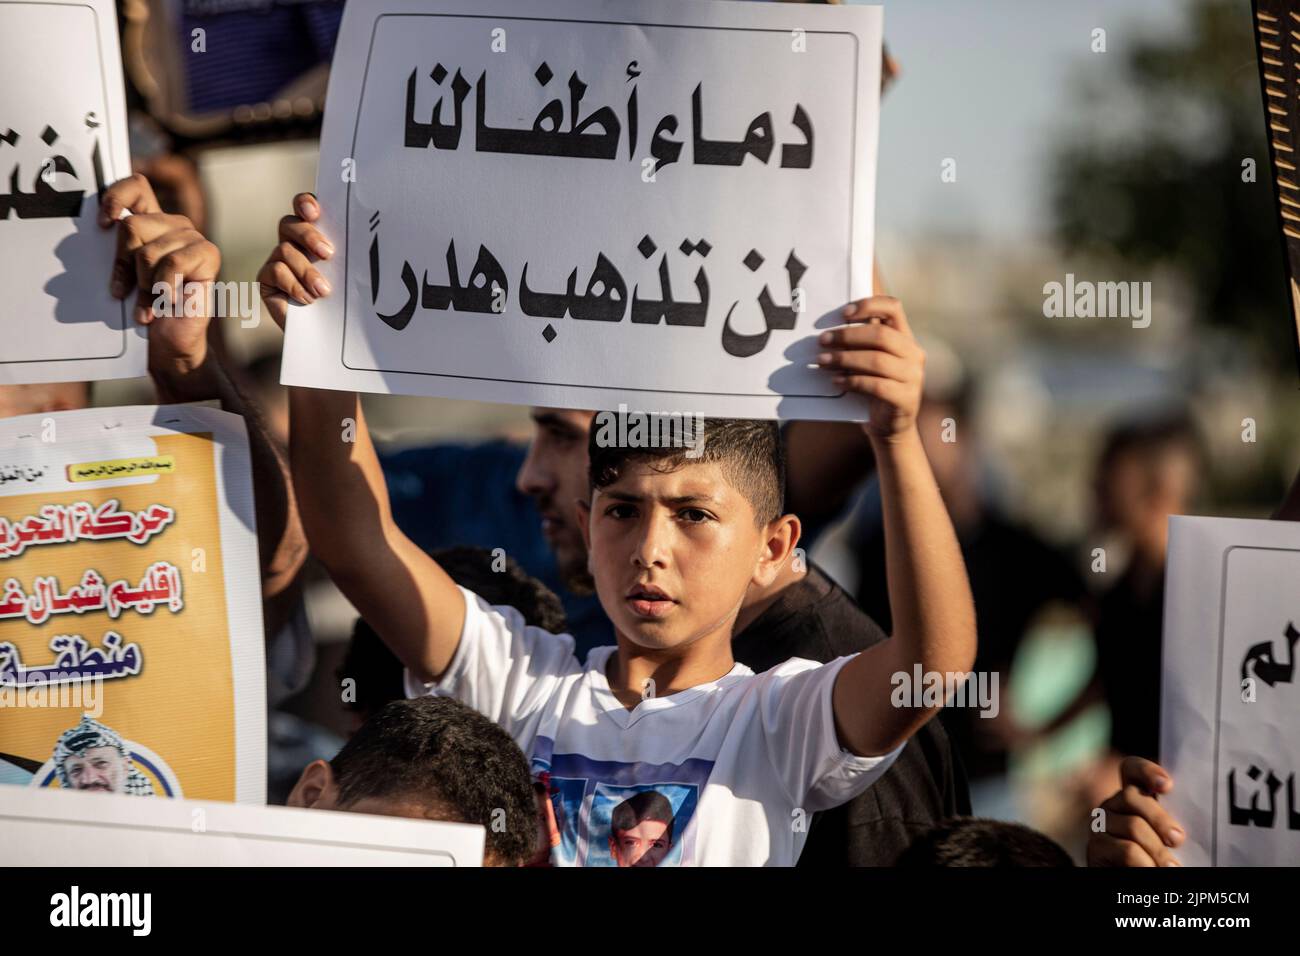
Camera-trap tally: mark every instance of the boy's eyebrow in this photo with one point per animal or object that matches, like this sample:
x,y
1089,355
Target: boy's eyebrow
x,y
629,496
703,499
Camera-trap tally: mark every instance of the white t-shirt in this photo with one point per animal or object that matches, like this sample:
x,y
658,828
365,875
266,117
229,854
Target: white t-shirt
x,y
739,764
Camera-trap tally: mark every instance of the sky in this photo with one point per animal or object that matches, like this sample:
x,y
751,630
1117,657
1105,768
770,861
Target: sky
x,y
990,83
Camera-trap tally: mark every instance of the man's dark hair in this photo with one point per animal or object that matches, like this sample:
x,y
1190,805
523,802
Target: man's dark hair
x,y
973,841
377,673
750,453
1151,436
444,753
646,805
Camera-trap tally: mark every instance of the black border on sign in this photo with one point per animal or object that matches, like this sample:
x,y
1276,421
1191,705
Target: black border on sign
x,y
347,222
103,83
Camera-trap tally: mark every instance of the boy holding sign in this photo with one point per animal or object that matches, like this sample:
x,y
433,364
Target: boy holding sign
x,y
675,545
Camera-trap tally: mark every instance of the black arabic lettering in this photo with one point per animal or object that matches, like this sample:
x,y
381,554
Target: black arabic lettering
x,y
774,316
1265,668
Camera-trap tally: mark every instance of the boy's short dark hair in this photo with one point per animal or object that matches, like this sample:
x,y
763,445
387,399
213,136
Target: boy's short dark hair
x,y
750,451
636,809
376,671
973,841
438,750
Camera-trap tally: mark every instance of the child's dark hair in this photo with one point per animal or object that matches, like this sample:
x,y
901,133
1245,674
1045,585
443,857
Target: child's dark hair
x,y
440,751
376,672
646,805
749,451
476,569
973,841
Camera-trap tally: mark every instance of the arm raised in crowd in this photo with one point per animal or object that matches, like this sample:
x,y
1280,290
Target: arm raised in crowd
x,y
409,600
156,248
875,354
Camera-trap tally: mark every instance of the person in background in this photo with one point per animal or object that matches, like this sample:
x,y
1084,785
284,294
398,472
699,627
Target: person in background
x,y
1148,470
1016,578
1138,830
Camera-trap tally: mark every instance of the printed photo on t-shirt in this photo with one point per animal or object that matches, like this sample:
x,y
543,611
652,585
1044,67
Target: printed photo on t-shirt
x,y
611,813
639,824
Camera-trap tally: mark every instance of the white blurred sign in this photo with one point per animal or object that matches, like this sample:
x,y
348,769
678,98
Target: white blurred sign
x,y
71,828
1230,703
62,139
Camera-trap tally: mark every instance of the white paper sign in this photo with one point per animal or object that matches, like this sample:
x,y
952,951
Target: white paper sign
x,y
130,604
1230,702
98,829
582,204
62,139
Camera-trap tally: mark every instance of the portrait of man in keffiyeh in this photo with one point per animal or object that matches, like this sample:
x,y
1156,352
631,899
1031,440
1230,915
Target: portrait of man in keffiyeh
x,y
90,756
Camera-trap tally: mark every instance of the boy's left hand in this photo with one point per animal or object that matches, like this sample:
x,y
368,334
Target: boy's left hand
x,y
876,355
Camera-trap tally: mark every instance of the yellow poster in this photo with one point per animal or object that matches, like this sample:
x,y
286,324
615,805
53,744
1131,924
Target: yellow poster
x,y
131,656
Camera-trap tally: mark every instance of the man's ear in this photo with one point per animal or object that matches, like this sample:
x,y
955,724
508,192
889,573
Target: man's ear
x,y
782,538
316,788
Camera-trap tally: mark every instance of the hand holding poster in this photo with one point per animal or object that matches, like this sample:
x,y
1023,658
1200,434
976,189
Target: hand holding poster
x,y
131,653
62,140
584,204
1230,693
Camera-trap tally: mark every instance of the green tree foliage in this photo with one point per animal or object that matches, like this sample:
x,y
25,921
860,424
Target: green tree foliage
x,y
1152,173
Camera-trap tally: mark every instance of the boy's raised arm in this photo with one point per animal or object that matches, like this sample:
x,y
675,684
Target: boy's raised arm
x,y
405,596
929,593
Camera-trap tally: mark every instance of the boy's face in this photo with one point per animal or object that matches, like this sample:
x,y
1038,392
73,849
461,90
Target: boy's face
x,y
646,844
672,554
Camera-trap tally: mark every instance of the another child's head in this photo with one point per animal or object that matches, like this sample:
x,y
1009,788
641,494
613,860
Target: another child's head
x,y
432,758
677,535
641,830
972,841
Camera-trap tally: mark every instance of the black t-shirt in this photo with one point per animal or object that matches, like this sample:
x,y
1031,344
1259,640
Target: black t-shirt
x,y
1129,626
816,620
